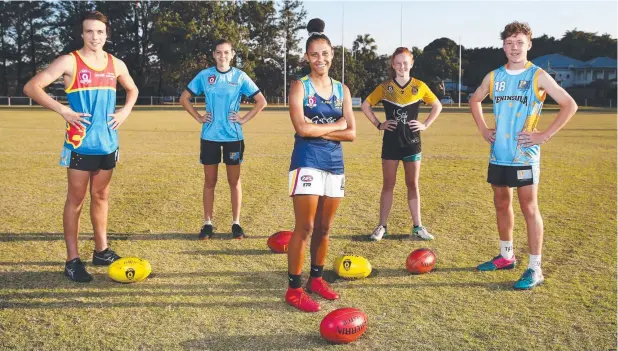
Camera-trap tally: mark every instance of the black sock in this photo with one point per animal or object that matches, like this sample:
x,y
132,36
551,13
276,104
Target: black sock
x,y
416,226
294,281
316,271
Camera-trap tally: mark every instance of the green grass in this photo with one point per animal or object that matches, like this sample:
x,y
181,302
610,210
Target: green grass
x,y
225,294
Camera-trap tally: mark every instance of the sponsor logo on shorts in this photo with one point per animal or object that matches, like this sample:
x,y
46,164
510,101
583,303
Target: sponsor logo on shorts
x,y
524,175
342,184
306,185
306,178
234,156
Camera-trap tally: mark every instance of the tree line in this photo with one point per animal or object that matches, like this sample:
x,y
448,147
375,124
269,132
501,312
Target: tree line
x,y
164,44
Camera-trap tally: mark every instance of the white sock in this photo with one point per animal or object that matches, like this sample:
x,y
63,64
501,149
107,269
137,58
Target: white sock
x,y
208,222
506,249
235,222
534,262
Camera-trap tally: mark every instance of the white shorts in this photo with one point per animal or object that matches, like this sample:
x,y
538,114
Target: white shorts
x,y
311,181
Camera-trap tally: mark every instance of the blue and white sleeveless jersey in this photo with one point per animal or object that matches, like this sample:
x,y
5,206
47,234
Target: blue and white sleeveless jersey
x,y
517,108
223,91
318,153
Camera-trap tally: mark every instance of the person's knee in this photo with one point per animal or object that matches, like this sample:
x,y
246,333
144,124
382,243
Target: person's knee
x,y
99,194
323,230
210,182
412,185
502,202
305,230
234,183
388,184
75,199
530,210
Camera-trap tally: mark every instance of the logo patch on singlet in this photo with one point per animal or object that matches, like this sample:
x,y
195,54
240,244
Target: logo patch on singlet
x,y
212,79
311,101
524,85
85,76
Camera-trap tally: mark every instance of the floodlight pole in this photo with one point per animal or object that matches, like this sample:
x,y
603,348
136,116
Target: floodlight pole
x,y
459,97
401,25
342,44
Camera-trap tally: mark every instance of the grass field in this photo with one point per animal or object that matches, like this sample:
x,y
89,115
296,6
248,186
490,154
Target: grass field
x,y
228,295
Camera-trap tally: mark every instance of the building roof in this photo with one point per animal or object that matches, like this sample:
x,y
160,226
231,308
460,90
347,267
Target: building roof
x,y
602,62
558,61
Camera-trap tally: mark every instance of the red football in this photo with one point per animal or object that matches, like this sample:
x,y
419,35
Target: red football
x,y
279,242
421,261
343,325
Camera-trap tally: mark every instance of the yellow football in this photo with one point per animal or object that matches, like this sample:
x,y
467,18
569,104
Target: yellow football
x,y
129,270
349,266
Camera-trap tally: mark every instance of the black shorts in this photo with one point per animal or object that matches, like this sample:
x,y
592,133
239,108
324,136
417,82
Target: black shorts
x,y
91,163
513,176
210,152
392,151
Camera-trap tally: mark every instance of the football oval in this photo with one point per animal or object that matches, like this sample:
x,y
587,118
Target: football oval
x,y
350,266
343,325
129,270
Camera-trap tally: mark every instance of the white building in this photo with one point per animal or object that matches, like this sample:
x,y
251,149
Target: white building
x,y
571,72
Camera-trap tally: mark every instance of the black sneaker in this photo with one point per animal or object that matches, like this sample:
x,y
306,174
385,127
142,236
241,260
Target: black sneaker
x,y
104,258
76,271
237,232
206,232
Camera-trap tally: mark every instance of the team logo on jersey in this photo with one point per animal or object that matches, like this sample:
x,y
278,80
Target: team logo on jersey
x,y
414,90
85,76
311,101
75,136
212,79
524,85
390,88
338,103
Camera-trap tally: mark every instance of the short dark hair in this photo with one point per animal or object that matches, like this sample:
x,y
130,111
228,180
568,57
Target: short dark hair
x,y
97,16
220,42
315,27
515,28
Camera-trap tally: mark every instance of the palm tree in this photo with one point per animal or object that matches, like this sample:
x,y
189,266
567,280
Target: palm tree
x,y
364,45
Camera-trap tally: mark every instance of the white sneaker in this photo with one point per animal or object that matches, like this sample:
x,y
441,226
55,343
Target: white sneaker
x,y
421,232
378,233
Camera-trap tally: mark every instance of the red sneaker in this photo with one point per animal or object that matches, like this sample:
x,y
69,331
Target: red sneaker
x,y
299,299
320,287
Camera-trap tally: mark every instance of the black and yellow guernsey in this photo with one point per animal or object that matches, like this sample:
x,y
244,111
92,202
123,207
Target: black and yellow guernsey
x,y
401,103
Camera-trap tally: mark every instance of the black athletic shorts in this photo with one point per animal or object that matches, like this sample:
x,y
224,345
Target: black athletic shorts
x,y
391,150
513,176
210,152
92,163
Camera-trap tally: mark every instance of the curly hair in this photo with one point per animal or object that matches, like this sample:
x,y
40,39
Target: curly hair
x,y
514,28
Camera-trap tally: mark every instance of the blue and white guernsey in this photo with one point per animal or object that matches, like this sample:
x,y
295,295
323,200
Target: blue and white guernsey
x,y
517,108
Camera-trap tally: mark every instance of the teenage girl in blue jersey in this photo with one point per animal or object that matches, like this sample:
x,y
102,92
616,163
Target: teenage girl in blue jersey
x,y
223,87
321,112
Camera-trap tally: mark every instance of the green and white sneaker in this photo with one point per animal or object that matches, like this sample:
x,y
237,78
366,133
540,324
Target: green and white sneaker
x,y
529,280
422,233
378,233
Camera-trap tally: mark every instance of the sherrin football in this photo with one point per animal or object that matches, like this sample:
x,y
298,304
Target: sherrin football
x,y
352,267
421,261
343,325
279,241
129,270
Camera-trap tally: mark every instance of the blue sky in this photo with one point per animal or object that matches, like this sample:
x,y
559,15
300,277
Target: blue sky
x,y
478,23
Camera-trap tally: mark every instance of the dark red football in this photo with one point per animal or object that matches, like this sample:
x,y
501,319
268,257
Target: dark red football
x,y
421,261
343,325
279,241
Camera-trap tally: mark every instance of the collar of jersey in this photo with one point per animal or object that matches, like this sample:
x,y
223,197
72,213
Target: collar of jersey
x,y
405,85
225,71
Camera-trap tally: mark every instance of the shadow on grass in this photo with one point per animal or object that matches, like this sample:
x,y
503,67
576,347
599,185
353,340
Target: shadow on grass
x,y
16,237
293,341
365,237
246,252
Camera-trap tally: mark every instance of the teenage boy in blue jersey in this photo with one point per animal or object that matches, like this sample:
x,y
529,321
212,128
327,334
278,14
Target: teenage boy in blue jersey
x,y
223,87
518,91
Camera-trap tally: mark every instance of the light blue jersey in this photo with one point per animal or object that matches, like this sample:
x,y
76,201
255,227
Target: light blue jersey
x,y
517,108
223,91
